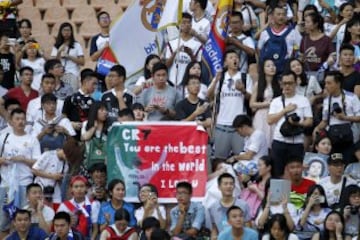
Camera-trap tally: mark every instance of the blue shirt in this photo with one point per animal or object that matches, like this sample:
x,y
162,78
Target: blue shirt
x,y
195,217
106,207
34,233
248,234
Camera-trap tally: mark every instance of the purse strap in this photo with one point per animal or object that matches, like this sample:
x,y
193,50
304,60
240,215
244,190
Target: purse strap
x,y
3,145
283,103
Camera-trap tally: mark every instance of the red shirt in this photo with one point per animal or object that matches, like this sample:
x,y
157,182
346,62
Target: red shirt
x,y
18,94
303,187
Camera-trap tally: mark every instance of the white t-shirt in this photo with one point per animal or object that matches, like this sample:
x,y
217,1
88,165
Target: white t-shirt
x,y
50,163
333,191
303,110
139,213
47,212
352,107
256,142
64,122
38,67
34,111
69,65
249,42
292,39
26,146
202,26
202,93
231,99
290,237
182,59
312,88
95,208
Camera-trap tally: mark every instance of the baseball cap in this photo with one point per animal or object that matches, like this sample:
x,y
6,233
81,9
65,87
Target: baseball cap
x,y
336,158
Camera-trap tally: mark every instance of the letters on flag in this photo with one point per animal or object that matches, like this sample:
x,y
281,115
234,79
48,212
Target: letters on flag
x,y
161,153
215,46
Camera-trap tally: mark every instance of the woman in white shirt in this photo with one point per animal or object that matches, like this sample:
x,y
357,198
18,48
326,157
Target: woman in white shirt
x,y
279,229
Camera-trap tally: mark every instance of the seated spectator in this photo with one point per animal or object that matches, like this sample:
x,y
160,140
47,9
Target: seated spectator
x,y
41,215
235,216
353,169
83,212
139,112
116,190
34,110
52,166
55,67
23,228
313,212
159,100
334,226
299,185
193,108
120,228
187,218
160,234
194,68
145,81
350,208
279,230
51,130
118,98
62,228
255,141
336,182
148,196
322,143
218,210
126,115
254,193
98,174
9,105
24,94
149,224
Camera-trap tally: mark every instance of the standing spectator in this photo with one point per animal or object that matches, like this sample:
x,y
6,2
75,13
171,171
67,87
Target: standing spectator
x,y
249,17
200,24
8,23
100,41
218,210
296,110
187,217
351,81
235,216
76,106
30,56
340,109
278,40
231,94
160,99
181,51
118,98
62,89
352,36
24,229
7,60
194,68
335,183
266,89
70,52
20,152
24,94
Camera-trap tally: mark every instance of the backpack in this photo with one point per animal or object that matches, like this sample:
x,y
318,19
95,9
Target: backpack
x,y
54,140
275,48
95,152
114,236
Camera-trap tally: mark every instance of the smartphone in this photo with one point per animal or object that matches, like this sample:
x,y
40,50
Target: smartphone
x,y
320,199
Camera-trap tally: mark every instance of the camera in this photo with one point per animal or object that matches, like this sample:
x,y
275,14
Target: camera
x,y
48,192
336,108
294,117
354,210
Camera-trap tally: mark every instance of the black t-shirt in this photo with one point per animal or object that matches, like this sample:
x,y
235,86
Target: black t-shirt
x,y
184,109
8,63
76,107
112,103
351,81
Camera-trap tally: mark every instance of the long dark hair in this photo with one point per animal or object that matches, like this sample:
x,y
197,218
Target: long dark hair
x,y
267,161
345,196
147,72
317,19
342,7
60,39
326,233
302,76
92,117
187,72
266,189
281,220
262,83
311,191
354,20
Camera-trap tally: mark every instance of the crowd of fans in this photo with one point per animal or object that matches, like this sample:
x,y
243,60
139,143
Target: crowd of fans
x,y
284,110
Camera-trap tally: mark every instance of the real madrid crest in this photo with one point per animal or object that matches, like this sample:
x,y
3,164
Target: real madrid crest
x,y
151,13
